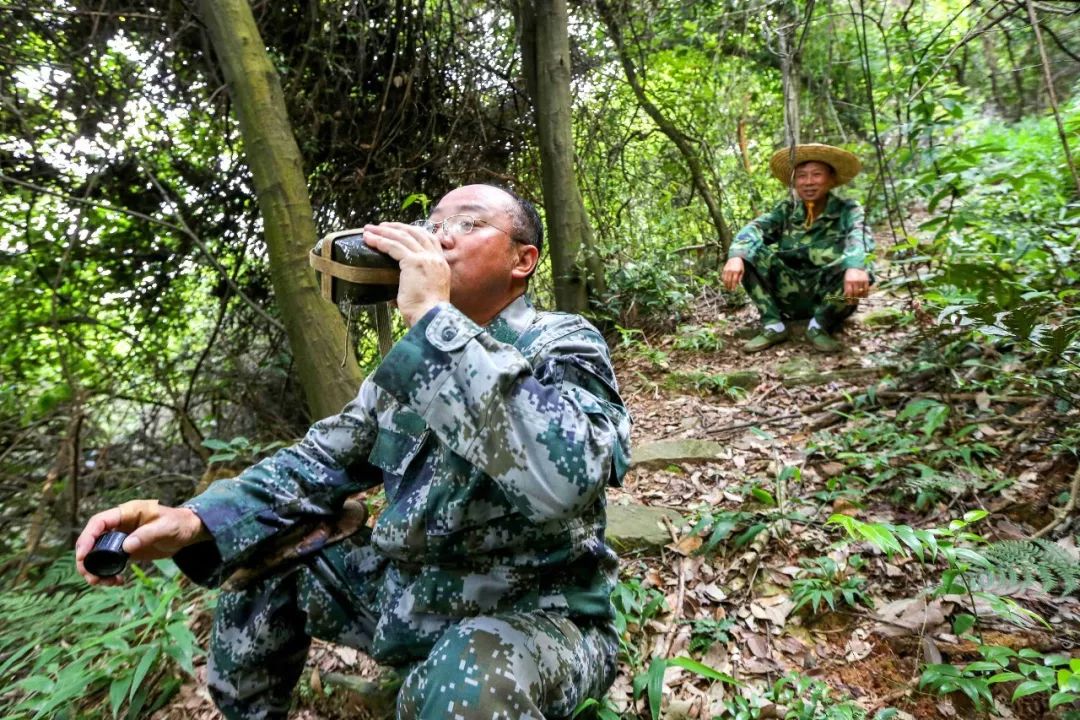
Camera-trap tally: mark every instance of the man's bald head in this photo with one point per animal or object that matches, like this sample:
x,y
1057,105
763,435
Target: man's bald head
x,y
526,225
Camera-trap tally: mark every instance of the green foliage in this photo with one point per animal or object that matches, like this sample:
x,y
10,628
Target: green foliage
x,y
634,342
651,682
96,653
959,548
932,486
931,414
919,455
922,544
1034,561
717,527
704,633
239,449
999,250
634,606
593,709
698,339
804,698
1057,676
647,292
823,581
712,383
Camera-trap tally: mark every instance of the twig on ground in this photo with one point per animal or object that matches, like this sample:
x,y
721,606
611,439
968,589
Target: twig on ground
x,y
677,611
900,388
767,392
670,528
765,421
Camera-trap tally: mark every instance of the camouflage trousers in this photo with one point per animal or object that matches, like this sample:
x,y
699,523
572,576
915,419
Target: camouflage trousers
x,y
504,666
781,291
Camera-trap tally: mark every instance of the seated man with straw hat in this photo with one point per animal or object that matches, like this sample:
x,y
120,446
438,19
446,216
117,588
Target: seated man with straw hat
x,y
807,258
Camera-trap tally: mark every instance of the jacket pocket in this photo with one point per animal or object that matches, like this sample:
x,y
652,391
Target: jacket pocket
x,y
393,452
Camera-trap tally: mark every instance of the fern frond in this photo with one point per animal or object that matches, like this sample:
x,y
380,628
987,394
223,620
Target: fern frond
x,y
1039,561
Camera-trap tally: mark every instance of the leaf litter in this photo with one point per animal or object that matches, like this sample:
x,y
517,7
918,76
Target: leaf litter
x,y
742,593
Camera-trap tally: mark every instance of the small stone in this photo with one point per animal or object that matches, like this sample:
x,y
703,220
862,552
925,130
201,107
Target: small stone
x,y
639,527
666,452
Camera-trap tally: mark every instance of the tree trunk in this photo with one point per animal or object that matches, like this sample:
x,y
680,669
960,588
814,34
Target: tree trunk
x,y
789,72
545,52
681,141
316,332
66,465
1051,95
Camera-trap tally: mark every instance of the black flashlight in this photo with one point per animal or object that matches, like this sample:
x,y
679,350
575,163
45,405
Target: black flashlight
x,y
107,558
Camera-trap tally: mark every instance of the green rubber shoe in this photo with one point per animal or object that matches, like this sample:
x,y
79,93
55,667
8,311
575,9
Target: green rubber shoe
x,y
765,339
823,342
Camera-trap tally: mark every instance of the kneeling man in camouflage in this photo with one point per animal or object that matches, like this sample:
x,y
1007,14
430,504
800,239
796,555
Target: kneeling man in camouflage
x,y
494,429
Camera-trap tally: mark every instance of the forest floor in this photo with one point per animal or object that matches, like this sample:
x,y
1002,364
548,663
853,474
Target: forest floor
x,y
788,463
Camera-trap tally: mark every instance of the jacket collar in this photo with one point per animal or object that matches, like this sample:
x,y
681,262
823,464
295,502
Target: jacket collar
x,y
833,207
508,325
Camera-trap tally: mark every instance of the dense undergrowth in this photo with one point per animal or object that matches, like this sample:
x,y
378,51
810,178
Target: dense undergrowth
x,y
906,488
79,652
986,386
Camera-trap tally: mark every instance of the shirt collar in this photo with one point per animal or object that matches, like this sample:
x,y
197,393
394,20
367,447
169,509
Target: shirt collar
x,y
833,206
508,325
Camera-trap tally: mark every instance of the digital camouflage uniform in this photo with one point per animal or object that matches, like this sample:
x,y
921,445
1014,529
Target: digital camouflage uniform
x,y
486,578
793,273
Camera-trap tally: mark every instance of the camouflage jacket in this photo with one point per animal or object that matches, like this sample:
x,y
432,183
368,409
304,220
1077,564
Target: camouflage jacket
x,y
838,237
494,445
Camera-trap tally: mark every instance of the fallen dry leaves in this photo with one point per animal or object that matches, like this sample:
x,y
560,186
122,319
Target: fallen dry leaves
x,y
870,655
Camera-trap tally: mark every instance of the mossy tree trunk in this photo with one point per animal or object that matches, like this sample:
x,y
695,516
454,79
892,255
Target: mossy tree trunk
x,y
315,329
545,52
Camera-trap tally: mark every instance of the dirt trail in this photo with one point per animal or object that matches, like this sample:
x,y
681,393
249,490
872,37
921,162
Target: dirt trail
x,y
748,589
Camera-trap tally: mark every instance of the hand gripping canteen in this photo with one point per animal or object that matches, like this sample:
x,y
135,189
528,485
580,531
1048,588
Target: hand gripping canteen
x,y
348,270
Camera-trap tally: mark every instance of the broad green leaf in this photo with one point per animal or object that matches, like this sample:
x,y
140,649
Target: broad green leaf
x,y
146,662
118,691
1060,698
36,684
1030,688
1004,677
655,685
763,496
703,670
963,622
982,666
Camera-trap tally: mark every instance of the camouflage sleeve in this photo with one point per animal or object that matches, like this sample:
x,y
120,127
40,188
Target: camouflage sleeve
x,y
762,230
308,480
552,438
858,241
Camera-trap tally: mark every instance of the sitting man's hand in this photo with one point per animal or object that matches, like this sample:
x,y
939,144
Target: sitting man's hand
x,y
856,284
154,531
733,272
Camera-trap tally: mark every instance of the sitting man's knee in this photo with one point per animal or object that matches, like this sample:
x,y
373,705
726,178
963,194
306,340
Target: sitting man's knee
x,y
478,668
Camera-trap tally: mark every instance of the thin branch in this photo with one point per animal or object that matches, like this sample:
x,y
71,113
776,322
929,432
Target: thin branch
x,y
1060,43
164,223
1051,94
977,30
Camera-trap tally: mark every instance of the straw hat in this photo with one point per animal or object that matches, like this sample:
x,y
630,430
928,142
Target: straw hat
x,y
844,163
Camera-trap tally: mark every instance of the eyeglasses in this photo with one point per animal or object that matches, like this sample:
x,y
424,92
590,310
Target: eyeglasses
x,y
457,225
